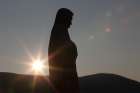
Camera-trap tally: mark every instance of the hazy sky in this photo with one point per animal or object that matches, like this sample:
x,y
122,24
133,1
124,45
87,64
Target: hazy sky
x,y
106,33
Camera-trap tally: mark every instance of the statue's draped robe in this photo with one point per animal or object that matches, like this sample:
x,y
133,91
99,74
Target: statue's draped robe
x,y
62,62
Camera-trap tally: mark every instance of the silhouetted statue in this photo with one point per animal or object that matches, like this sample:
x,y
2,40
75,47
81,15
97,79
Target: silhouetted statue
x,y
62,55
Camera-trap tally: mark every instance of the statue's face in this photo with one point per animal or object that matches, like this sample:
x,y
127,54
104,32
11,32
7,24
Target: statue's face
x,y
69,23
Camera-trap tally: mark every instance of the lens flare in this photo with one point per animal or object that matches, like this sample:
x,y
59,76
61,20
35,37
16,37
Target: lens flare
x,y
38,66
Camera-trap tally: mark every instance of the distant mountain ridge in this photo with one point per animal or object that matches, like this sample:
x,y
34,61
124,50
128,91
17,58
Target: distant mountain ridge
x,y
97,83
108,83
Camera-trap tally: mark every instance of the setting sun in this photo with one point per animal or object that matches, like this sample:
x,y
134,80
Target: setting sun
x,y
38,66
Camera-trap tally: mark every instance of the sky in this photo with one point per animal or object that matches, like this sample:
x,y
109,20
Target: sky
x,y
106,33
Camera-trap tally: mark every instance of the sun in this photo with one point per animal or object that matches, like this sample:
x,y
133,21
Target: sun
x,y
38,66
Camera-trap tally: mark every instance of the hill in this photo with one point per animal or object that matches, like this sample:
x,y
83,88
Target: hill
x,y
98,83
108,83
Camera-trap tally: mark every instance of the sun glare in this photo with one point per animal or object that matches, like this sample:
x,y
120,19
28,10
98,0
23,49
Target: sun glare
x,y
38,66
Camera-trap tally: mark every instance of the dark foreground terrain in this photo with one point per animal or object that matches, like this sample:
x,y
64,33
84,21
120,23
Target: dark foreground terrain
x,y
98,83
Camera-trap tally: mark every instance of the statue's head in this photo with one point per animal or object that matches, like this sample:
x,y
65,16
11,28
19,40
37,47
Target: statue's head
x,y
64,17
